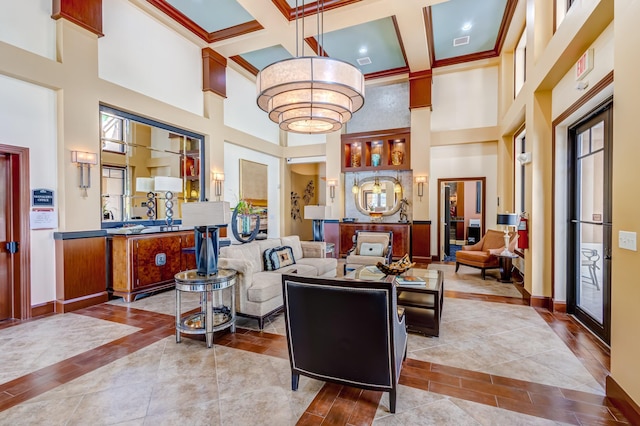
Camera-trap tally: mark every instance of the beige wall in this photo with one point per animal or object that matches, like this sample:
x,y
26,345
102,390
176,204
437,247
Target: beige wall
x,y
625,347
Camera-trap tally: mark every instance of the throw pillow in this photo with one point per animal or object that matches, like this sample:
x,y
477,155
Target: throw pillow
x,y
278,257
371,249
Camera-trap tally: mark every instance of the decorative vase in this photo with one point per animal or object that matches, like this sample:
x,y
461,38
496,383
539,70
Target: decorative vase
x,y
375,160
397,157
355,159
246,224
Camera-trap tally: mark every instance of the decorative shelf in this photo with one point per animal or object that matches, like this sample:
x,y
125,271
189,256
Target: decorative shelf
x,y
379,150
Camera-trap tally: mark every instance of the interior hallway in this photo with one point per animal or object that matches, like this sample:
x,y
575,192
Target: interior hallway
x,y
496,361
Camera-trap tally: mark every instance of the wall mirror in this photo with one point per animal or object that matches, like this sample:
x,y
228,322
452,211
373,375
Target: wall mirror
x,y
380,194
134,151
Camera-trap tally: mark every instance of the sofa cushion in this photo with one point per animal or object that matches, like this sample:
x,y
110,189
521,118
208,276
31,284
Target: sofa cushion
x,y
278,257
268,284
293,241
250,252
323,266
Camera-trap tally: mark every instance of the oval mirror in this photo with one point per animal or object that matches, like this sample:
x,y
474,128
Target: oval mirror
x,y
381,194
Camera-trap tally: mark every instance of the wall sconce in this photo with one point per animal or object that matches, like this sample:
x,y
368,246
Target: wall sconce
x,y
421,180
168,185
218,178
331,183
83,159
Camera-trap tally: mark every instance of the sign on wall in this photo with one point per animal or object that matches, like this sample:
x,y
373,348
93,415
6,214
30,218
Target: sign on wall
x,y
42,198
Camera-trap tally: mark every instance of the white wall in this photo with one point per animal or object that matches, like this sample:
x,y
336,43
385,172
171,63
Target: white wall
x,y
140,54
28,119
465,99
241,110
297,139
232,155
458,161
28,25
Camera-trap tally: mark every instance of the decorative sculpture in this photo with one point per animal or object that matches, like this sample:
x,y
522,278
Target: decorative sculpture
x,y
403,210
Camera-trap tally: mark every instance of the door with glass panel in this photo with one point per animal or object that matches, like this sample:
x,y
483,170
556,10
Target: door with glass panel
x,y
589,250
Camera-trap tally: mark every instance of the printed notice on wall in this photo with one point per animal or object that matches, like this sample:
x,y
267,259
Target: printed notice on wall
x,y
43,218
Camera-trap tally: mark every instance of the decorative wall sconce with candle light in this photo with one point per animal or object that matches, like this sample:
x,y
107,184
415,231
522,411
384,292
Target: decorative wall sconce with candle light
x,y
218,179
332,183
84,160
421,180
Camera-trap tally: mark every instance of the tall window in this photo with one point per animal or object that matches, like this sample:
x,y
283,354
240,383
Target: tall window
x,y
519,168
520,64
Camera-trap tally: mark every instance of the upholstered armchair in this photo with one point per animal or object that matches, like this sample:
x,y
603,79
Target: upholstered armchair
x,y
369,248
482,254
349,332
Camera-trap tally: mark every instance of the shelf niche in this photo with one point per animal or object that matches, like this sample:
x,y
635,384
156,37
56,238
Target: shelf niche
x,y
379,150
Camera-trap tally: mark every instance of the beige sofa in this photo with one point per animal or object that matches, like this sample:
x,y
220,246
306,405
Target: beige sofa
x,y
258,291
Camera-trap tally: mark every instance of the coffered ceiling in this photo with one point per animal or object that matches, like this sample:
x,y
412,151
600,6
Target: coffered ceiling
x,y
381,37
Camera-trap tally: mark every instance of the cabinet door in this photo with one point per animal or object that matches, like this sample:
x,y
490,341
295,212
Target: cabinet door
x,y
156,260
188,257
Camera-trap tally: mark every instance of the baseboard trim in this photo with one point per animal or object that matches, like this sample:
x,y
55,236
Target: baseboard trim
x,y
63,306
542,302
560,307
622,401
43,309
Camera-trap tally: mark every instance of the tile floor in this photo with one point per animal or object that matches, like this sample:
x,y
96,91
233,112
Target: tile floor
x,y
496,362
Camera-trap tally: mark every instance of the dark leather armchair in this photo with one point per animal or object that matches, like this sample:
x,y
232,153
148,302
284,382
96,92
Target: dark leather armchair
x,y
343,331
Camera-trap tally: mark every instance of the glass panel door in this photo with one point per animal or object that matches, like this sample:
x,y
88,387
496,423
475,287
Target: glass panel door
x,y
590,249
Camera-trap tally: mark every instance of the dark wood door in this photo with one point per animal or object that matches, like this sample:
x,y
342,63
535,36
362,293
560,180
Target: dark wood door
x,y
6,301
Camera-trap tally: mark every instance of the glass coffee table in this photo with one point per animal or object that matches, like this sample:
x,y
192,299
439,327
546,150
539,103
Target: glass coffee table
x,y
422,299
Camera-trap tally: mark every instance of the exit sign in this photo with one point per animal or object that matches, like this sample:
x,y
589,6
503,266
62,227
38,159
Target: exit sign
x,y
584,64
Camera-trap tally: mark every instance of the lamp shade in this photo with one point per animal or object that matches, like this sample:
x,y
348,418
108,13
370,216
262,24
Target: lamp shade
x,y
317,212
144,184
206,213
509,219
166,183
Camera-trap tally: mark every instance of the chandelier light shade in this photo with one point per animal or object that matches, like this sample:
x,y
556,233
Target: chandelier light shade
x,y
310,94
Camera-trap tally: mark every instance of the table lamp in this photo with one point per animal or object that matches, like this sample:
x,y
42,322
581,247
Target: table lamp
x,y
168,185
318,214
198,215
507,219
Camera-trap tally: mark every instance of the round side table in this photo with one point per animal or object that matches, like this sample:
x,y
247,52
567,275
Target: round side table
x,y
214,315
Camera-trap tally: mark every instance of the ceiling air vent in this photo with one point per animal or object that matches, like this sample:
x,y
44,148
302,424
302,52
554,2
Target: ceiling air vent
x,y
460,41
364,61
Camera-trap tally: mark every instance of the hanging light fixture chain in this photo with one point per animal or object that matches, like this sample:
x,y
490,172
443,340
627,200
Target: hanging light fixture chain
x,y
297,34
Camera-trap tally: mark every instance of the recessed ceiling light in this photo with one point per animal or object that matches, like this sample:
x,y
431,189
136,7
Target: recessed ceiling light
x,y
363,50
467,26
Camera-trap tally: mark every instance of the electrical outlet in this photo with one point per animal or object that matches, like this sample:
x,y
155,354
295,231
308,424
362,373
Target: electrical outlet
x,y
627,240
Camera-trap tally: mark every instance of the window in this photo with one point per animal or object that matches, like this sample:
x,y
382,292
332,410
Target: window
x,y
520,60
113,133
519,172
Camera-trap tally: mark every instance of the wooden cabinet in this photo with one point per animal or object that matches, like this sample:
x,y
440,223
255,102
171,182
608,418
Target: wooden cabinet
x,y
401,236
380,150
148,262
421,241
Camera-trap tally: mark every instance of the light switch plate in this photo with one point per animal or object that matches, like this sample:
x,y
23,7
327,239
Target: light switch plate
x,y
627,240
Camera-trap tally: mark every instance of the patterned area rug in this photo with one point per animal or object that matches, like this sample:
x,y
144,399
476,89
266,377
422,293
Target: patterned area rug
x,y
452,253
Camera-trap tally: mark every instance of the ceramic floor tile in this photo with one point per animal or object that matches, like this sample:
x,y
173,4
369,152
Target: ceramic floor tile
x,y
441,412
492,416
